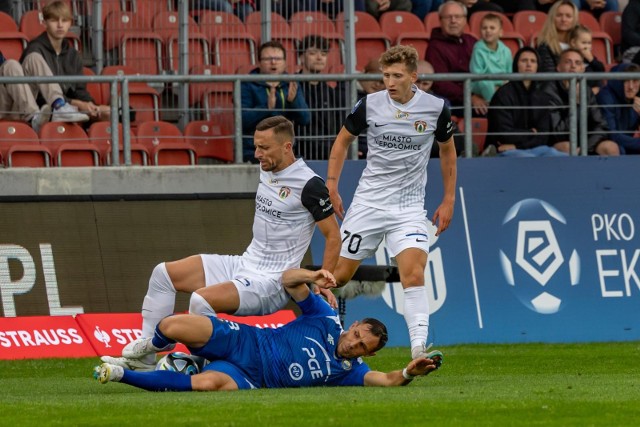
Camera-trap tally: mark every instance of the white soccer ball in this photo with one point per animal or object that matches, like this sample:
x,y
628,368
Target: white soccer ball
x,y
183,363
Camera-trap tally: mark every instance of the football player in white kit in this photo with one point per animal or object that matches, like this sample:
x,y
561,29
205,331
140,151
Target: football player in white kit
x,y
402,123
291,199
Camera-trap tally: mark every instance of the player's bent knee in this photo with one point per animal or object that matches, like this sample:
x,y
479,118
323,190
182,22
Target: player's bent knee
x,y
213,381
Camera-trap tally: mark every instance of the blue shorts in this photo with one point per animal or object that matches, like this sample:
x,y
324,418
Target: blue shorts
x,y
233,349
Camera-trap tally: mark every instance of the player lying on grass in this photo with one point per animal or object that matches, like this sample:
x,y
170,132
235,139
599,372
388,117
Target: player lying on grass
x,y
313,350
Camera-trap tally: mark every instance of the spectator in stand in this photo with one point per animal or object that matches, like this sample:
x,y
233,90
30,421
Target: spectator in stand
x,y
596,7
313,141
425,85
50,54
510,6
17,101
598,142
630,46
266,99
287,8
421,8
517,126
5,6
580,39
481,5
378,7
620,104
449,51
490,56
554,37
241,8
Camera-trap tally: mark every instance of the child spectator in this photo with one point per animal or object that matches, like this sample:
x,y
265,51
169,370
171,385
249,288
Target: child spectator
x,y
580,39
489,56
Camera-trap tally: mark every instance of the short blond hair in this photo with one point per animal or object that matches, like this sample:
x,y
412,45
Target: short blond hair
x,y
57,9
400,54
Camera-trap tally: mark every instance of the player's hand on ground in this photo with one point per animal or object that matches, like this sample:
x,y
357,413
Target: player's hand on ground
x,y
442,217
421,366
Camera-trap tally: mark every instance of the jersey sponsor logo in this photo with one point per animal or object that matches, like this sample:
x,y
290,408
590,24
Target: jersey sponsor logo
x,y
284,192
397,142
377,125
263,204
330,339
401,115
296,372
325,204
449,126
420,126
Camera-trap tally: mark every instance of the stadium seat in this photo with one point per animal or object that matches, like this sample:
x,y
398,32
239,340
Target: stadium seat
x,y
280,31
100,134
211,140
407,29
479,129
528,23
317,23
20,146
69,144
130,35
611,23
149,8
166,144
166,25
12,41
144,99
32,25
94,89
231,43
602,47
371,42
108,6
588,20
214,98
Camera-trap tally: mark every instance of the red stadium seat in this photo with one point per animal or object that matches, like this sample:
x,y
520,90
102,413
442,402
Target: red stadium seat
x,y
166,25
69,144
211,140
166,144
371,42
231,43
588,20
144,99
528,23
20,146
100,134
12,41
407,29
479,129
611,23
129,34
94,89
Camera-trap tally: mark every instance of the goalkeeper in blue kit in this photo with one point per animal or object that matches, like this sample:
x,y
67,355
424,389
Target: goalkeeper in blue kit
x,y
311,351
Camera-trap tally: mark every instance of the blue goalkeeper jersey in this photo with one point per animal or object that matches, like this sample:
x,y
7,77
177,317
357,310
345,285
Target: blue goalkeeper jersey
x,y
303,352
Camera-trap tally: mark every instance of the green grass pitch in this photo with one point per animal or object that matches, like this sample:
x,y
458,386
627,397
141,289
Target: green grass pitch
x,y
497,385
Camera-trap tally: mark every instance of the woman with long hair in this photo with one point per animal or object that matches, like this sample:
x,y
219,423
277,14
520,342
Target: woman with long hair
x,y
554,36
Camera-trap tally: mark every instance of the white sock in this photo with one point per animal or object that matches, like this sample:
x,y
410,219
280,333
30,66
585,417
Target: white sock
x,y
199,305
416,314
160,300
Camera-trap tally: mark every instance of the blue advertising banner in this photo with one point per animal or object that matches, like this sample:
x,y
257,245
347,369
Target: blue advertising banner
x,y
539,250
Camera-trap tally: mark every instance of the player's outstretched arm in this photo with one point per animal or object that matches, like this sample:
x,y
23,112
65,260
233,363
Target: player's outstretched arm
x,y
334,169
416,367
295,281
443,215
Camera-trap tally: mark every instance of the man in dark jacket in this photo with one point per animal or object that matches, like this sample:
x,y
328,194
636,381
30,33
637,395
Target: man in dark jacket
x,y
598,142
266,99
516,127
450,51
50,54
325,102
620,105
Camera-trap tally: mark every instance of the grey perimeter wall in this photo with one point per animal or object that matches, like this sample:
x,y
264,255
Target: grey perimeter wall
x,y
214,180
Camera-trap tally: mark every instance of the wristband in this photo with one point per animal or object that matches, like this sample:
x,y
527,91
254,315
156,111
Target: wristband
x,y
406,375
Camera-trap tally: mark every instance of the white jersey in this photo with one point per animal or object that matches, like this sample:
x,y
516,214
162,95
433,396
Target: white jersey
x,y
288,204
399,140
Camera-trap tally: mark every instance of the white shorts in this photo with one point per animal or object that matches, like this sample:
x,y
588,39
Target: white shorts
x,y
364,228
260,293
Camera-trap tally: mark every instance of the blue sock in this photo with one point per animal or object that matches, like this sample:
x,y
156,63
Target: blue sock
x,y
157,380
58,103
159,340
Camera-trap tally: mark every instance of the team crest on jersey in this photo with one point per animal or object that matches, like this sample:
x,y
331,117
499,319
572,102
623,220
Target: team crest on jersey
x,y
420,126
402,115
284,192
346,365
